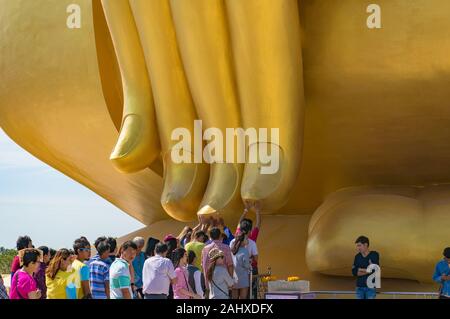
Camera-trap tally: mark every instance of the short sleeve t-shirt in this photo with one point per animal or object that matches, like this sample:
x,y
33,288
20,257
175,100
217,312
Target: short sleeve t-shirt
x,y
22,284
222,281
157,273
99,274
81,274
182,283
197,248
62,286
119,278
252,250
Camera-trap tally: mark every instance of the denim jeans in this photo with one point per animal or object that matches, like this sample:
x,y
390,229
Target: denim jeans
x,y
365,293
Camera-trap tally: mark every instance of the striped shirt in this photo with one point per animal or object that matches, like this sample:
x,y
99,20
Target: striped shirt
x,y
99,275
3,292
119,278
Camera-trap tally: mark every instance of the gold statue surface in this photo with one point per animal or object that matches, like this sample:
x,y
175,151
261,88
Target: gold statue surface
x,y
363,115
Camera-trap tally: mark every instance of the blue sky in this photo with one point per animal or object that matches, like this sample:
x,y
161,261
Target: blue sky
x,y
52,209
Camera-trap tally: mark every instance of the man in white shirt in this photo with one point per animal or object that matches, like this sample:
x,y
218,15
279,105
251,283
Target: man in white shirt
x,y
158,273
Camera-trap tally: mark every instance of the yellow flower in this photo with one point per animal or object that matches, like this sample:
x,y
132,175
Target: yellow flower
x,y
268,278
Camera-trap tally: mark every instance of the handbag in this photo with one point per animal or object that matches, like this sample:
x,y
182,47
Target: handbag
x,y
187,284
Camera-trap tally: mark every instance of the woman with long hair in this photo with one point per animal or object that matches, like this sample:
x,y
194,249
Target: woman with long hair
x,y
242,266
23,285
39,276
60,276
182,289
150,248
172,244
219,280
195,277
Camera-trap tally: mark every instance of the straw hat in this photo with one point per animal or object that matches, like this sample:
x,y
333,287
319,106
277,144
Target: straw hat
x,y
215,253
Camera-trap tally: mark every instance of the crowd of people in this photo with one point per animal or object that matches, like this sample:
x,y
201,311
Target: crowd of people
x,y
208,261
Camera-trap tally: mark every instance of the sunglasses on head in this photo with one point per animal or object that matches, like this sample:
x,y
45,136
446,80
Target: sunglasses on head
x,y
84,249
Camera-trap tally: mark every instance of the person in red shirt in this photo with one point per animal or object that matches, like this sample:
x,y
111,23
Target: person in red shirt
x,y
252,232
22,243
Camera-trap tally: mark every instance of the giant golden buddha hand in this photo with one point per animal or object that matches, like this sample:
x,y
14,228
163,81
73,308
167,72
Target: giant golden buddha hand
x,y
205,49
150,25
267,51
189,47
137,146
355,106
408,226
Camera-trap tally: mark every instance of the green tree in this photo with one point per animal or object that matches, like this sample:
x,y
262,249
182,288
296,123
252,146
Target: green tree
x,y
6,258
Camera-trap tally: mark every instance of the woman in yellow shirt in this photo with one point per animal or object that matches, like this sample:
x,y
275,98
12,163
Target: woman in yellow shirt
x,y
60,277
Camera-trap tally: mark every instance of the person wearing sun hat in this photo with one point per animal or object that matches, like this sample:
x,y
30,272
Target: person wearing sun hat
x,y
216,236
219,280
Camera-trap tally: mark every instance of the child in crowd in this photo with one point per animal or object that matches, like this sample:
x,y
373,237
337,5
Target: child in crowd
x,y
219,280
195,278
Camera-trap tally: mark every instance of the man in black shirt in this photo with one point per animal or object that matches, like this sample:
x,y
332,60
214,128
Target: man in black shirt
x,y
363,259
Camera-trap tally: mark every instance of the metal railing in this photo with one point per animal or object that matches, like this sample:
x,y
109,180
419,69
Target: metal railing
x,y
351,293
393,294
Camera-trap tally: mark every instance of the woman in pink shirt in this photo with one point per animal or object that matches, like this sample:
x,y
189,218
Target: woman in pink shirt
x,y
22,243
181,289
23,284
